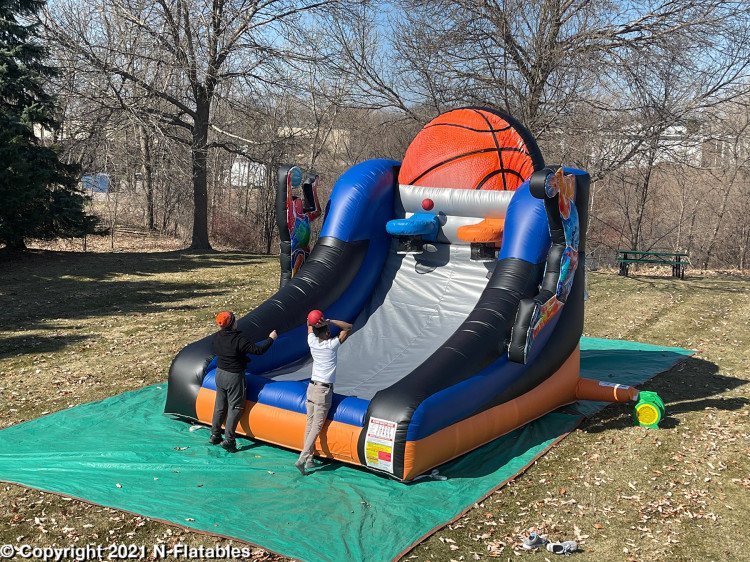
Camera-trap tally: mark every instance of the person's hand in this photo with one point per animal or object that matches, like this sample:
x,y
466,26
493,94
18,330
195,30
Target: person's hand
x,y
273,335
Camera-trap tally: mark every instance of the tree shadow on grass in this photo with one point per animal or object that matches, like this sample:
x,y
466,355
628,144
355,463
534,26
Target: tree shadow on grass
x,y
23,345
692,385
51,265
75,299
694,283
44,286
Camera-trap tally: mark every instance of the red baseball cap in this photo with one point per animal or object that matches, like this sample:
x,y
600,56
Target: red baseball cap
x,y
314,317
225,318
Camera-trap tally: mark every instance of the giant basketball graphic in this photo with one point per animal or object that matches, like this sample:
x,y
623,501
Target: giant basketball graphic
x,y
471,148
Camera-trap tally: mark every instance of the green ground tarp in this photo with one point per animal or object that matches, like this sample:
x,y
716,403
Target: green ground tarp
x,y
123,453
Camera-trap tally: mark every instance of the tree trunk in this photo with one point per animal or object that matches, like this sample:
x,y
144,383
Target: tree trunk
x,y
717,225
743,252
643,197
691,231
15,245
199,154
148,178
269,241
680,220
268,199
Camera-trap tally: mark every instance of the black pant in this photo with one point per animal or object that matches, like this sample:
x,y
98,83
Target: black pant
x,y
230,390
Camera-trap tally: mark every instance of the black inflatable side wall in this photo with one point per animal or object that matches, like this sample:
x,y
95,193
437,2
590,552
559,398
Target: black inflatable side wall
x,y
329,270
567,333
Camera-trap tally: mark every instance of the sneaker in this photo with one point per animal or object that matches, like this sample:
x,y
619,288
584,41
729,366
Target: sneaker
x,y
534,540
215,439
300,464
229,446
565,547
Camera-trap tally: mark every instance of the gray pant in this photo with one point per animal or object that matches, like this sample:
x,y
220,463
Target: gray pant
x,y
230,392
318,403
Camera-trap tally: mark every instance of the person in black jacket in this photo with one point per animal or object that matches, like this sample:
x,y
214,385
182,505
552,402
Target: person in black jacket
x,y
231,349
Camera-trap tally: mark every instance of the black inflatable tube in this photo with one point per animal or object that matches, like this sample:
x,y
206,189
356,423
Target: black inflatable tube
x,y
328,272
562,342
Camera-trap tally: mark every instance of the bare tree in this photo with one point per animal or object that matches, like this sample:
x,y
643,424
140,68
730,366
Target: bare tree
x,y
622,90
733,170
543,61
688,200
179,53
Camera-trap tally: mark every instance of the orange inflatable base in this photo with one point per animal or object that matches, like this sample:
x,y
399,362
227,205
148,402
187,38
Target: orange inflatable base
x,y
339,440
473,432
286,428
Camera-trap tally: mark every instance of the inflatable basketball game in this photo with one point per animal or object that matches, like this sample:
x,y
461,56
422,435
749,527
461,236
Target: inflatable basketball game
x,y
461,269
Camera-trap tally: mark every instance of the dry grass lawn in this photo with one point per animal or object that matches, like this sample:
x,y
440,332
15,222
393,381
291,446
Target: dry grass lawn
x,y
79,327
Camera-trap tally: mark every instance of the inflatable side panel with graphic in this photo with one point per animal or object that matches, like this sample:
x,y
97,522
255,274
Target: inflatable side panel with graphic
x,y
462,272
297,206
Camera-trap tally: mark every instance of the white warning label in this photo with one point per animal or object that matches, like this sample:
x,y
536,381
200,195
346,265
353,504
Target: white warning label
x,y
381,435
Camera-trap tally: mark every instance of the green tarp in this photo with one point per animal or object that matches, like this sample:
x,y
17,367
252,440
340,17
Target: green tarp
x,y
123,453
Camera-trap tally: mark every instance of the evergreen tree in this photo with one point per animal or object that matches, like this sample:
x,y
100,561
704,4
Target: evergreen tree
x,y
39,194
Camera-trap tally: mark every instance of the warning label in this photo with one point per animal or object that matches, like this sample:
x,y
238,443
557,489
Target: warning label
x,y
381,435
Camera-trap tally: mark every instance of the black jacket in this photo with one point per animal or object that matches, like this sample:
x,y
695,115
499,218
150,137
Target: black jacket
x,y
232,349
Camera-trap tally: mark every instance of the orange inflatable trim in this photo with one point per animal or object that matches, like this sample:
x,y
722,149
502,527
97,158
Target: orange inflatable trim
x,y
488,231
285,428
